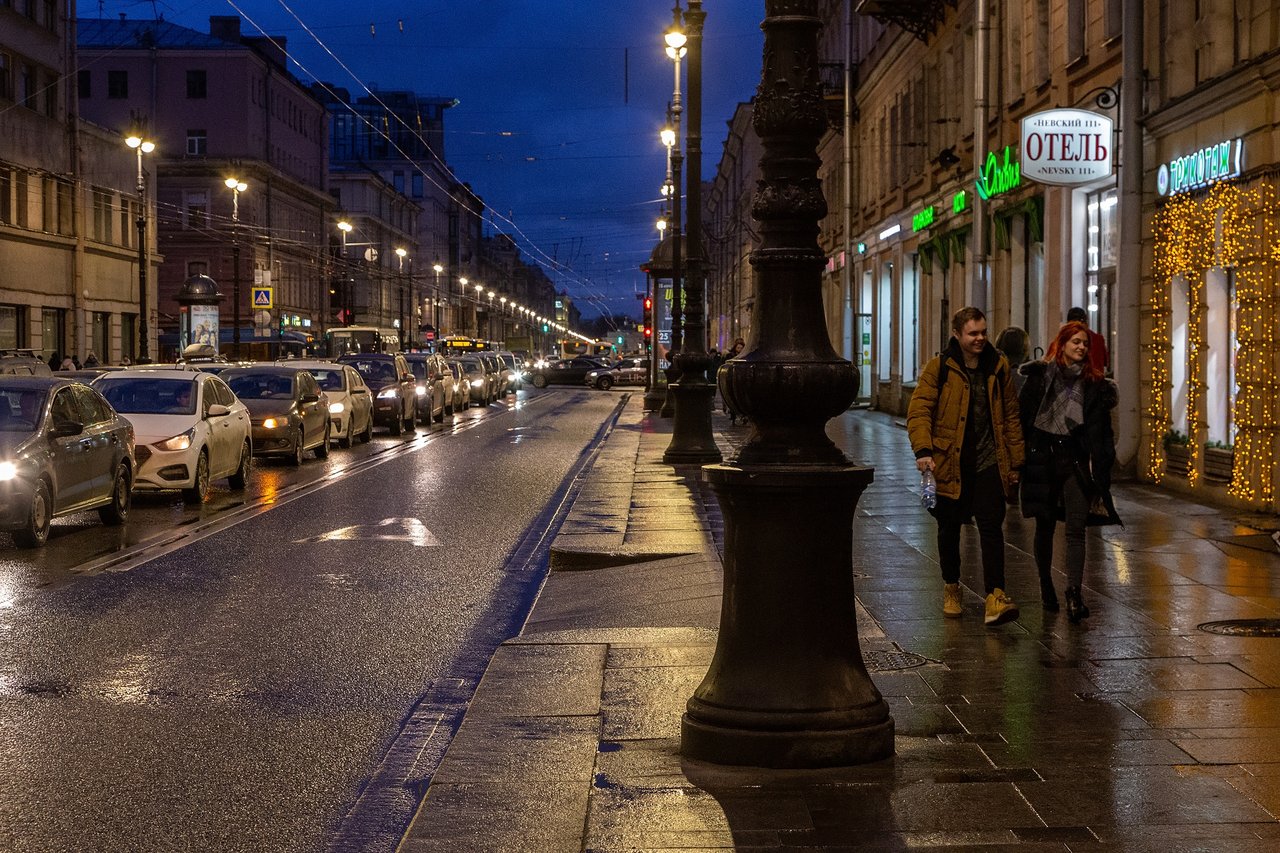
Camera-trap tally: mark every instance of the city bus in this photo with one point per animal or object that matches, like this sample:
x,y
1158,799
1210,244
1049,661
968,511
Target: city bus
x,y
345,339
576,346
452,345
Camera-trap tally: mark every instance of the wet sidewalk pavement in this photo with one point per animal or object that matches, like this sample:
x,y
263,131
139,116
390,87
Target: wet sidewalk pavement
x,y
1132,731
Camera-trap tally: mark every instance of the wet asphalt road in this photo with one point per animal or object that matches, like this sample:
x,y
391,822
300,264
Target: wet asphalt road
x,y
239,682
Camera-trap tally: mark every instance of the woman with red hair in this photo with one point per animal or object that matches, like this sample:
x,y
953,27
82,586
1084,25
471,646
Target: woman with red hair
x,y
1066,406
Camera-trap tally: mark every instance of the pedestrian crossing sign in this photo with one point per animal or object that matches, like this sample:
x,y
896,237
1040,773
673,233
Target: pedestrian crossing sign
x,y
262,298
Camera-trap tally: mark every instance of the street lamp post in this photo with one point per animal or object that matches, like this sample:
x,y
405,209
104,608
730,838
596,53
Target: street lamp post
x,y
675,40
787,686
400,254
435,304
236,186
692,440
142,146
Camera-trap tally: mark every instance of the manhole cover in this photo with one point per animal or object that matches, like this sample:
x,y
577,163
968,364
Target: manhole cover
x,y
1243,627
878,660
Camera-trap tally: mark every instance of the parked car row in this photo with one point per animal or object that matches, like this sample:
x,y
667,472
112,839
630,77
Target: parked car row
x,y
73,443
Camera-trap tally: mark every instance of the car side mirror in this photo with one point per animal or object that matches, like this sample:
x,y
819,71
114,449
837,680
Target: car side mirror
x,y
62,429
310,398
217,410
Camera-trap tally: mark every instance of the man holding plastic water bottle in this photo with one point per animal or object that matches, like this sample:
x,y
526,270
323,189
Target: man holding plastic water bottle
x,y
965,432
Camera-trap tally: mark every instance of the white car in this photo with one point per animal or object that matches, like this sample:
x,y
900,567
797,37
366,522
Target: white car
x,y
350,400
190,429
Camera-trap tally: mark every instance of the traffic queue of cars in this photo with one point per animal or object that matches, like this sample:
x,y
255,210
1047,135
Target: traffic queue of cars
x,y
75,443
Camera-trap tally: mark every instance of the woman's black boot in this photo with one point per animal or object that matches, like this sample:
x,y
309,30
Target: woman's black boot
x,y
1048,597
1076,609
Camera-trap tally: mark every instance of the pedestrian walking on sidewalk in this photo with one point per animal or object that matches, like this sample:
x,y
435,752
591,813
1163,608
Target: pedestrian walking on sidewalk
x,y
734,352
1066,406
1015,344
964,427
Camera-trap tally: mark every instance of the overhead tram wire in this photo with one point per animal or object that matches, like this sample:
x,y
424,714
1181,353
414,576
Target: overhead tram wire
x,y
550,264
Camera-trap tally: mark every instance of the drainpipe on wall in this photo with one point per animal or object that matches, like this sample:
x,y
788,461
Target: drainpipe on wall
x,y
850,318
1127,353
980,297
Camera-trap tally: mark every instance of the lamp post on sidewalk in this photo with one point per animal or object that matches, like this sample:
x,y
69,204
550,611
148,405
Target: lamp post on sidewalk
x,y
675,46
236,186
142,146
692,440
401,253
787,686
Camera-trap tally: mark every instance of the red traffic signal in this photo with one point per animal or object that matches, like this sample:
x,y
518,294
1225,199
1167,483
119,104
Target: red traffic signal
x,y
648,303
648,332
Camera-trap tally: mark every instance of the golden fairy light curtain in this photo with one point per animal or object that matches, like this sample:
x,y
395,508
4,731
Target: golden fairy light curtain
x,y
1233,227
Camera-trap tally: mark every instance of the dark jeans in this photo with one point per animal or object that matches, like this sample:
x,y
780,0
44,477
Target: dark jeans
x,y
982,497
1076,504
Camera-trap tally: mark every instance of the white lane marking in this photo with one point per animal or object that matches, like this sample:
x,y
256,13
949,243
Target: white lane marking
x,y
410,530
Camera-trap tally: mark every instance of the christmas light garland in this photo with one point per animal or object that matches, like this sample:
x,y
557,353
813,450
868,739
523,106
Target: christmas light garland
x,y
1233,228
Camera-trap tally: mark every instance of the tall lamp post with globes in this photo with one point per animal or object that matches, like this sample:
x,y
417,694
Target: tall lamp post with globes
x,y
142,146
400,254
787,686
692,440
236,186
675,40
438,268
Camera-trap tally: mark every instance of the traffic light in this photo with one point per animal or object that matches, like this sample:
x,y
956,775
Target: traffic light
x,y
648,323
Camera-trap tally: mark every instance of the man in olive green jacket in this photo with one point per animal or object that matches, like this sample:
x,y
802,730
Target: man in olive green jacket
x,y
964,427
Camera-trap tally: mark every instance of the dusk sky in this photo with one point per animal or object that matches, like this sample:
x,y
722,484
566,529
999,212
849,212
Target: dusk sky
x,y
559,108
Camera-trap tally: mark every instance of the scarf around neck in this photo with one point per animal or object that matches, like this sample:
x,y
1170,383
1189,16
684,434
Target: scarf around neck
x,y
1062,409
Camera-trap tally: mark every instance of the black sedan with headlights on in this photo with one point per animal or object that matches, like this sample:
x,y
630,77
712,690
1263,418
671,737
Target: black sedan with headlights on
x,y
288,411
63,449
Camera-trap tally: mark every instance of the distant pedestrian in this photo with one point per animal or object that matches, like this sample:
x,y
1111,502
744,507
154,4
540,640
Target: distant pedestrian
x,y
75,362
1015,344
963,425
68,363
1098,356
91,360
126,361
734,351
1066,408
55,361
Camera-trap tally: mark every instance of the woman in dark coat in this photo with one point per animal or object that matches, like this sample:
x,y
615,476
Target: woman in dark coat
x,y
1066,405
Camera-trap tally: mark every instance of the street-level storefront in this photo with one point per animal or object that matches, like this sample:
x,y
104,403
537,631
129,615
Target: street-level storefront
x,y
1210,411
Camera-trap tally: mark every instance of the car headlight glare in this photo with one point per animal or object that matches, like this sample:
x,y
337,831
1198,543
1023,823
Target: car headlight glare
x,y
336,408
178,442
421,391
8,471
476,383
272,423
389,394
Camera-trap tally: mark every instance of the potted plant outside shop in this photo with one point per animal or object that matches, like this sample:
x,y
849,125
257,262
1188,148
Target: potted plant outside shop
x,y
1177,452
1219,459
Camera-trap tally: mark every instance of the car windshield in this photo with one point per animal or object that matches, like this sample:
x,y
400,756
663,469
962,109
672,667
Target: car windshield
x,y
150,395
261,386
376,371
473,367
329,380
20,409
419,369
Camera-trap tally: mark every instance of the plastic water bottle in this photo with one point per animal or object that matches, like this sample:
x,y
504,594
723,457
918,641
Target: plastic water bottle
x,y
928,490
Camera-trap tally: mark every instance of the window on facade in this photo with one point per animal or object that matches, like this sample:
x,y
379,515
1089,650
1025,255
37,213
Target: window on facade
x,y
100,340
117,84
20,199
197,83
1075,30
909,323
6,196
102,216
49,205
417,185
50,93
12,333
1100,262
84,83
51,15
53,326
1220,354
27,83
197,268
197,143
884,326
196,209
128,218
128,336
6,76
66,210
1113,19
1040,50
397,180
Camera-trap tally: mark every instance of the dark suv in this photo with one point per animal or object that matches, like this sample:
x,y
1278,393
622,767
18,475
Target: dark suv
x,y
434,399
394,389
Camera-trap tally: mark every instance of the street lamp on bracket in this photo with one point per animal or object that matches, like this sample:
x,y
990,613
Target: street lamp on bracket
x,y
142,146
236,186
